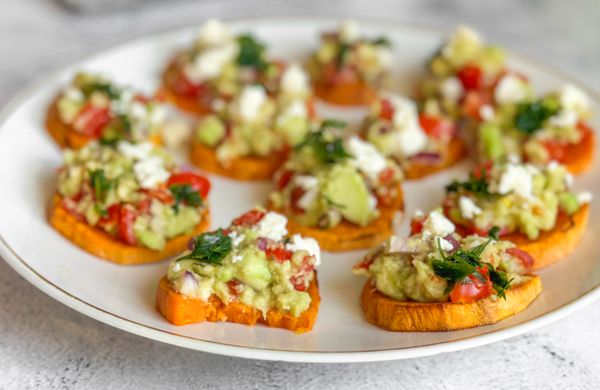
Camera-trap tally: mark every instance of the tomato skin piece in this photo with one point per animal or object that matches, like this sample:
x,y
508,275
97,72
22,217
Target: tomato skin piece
x,y
280,254
525,258
112,217
483,168
250,218
197,182
416,225
91,120
470,77
386,175
284,179
473,102
387,110
296,194
556,150
185,87
472,288
436,127
126,220
234,286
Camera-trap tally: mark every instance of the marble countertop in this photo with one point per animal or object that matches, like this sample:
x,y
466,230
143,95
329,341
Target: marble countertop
x,y
45,344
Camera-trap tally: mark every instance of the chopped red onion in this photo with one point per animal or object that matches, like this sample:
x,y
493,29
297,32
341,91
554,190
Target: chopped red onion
x,y
427,158
453,242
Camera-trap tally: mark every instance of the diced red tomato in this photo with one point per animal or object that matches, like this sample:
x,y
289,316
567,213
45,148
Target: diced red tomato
x,y
112,216
387,175
183,86
91,120
557,150
280,254
234,287
471,77
584,129
436,127
284,179
296,194
197,182
387,110
473,102
304,271
483,168
250,218
416,225
525,258
472,288
126,220
365,263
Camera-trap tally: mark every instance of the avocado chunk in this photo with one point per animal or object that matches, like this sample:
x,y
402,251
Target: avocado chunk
x,y
254,269
347,191
210,130
568,202
491,138
151,239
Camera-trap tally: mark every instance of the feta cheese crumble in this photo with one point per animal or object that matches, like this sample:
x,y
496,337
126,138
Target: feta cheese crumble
x,y
349,31
584,197
574,99
468,208
150,172
517,179
294,80
272,225
411,139
250,101
366,157
437,225
308,244
452,89
510,89
214,33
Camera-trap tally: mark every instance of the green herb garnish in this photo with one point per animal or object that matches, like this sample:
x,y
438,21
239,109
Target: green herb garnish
x,y
108,89
326,148
500,281
342,54
531,116
184,193
382,41
210,248
477,185
494,233
251,52
100,184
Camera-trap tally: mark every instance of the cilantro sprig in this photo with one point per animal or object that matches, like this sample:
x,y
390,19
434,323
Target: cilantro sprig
x,y
210,248
100,184
185,194
477,185
251,52
108,89
327,149
531,116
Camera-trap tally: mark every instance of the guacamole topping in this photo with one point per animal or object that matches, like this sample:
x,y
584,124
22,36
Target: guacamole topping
x,y
256,123
132,192
219,64
462,75
345,57
535,129
512,197
396,129
253,261
329,179
98,108
435,264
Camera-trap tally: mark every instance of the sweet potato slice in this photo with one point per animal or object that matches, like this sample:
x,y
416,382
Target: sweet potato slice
x,y
580,157
397,316
455,152
347,236
241,168
101,244
349,94
553,245
181,310
64,135
167,90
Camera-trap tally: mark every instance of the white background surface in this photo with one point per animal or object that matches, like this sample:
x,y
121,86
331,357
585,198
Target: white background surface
x,y
46,344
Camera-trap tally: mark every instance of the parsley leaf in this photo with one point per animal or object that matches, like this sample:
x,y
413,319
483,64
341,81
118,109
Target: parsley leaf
x,y
500,281
100,184
119,129
210,248
531,116
251,52
382,41
494,232
328,150
108,89
477,185
184,193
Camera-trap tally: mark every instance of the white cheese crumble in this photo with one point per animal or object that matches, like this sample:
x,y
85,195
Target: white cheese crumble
x,y
214,32
236,238
410,139
310,245
272,225
510,89
574,99
349,31
294,80
517,179
250,101
150,172
136,151
468,208
584,197
297,109
437,225
209,64
452,89
366,157
74,94
444,244
487,112
565,118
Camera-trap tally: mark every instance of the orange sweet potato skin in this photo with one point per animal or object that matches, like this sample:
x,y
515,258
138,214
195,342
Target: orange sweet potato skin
x,y
347,236
181,310
64,135
349,94
185,103
397,316
555,244
455,152
241,168
101,244
581,156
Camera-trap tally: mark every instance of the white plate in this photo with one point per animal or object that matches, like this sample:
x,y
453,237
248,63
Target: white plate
x,y
124,296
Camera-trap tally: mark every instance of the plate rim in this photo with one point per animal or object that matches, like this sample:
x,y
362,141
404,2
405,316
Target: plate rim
x,y
32,276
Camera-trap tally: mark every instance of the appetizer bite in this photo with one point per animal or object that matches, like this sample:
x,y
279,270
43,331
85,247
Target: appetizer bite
x,y
348,69
533,207
551,128
128,203
465,77
421,144
249,137
250,272
342,192
93,108
436,280
215,68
